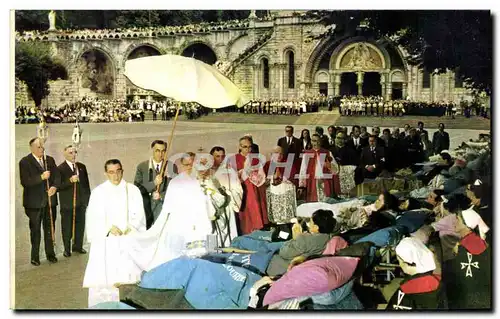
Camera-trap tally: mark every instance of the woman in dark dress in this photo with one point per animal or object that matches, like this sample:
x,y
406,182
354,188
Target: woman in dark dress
x,y
305,140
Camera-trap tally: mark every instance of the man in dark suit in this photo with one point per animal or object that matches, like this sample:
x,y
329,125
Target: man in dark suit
x,y
390,151
289,143
372,158
440,140
376,132
356,142
420,129
343,154
415,148
34,171
147,178
73,175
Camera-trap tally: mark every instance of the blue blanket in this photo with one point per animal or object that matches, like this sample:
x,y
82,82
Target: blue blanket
x,y
257,241
256,262
208,285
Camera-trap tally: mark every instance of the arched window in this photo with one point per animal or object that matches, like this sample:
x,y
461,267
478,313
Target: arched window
x,y
265,73
291,70
426,81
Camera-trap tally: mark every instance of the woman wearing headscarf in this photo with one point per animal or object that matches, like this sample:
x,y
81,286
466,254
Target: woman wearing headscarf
x,y
421,287
479,195
468,275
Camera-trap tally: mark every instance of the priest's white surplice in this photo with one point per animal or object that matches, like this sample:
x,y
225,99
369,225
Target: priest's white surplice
x,y
119,205
185,217
228,179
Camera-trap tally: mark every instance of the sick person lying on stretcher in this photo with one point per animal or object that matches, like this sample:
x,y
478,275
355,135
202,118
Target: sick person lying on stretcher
x,y
320,229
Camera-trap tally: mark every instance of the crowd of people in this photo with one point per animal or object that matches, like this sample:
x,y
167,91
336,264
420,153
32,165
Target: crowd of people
x,y
286,107
377,106
95,110
265,233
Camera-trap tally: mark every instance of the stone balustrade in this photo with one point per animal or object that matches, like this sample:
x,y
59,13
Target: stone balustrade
x,y
102,34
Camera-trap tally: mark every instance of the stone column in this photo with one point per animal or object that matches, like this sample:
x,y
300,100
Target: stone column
x,y
338,80
405,90
282,77
388,91
383,81
256,81
359,82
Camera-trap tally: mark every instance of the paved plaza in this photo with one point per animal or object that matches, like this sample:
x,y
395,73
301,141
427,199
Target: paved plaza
x,y
58,286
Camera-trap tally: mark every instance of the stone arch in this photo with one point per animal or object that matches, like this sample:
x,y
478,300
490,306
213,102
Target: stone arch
x,y
136,46
96,70
206,51
321,76
397,76
233,41
287,49
321,48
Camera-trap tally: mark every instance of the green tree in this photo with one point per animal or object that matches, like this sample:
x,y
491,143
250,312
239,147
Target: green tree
x,y
436,40
35,66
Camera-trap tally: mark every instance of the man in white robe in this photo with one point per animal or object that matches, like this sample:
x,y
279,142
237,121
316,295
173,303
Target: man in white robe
x,y
227,178
115,211
186,217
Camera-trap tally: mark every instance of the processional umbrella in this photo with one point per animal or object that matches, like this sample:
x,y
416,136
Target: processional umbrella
x,y
184,80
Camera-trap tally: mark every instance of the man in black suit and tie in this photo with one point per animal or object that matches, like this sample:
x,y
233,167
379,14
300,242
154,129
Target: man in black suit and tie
x,y
440,140
372,158
356,142
289,143
73,175
34,171
147,178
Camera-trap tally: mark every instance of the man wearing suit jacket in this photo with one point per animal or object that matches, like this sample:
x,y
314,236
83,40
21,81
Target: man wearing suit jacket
x,y
440,140
73,174
147,178
290,144
34,172
372,158
356,142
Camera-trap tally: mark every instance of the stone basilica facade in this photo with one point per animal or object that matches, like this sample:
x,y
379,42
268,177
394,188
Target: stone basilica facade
x,y
270,58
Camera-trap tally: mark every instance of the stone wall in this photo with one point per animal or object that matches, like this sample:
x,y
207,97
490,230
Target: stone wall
x,y
290,33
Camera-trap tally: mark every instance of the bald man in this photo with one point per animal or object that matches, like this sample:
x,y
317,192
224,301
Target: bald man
x,y
35,170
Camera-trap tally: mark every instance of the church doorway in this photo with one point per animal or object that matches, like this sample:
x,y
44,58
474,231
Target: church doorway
x,y
371,84
397,90
348,84
323,88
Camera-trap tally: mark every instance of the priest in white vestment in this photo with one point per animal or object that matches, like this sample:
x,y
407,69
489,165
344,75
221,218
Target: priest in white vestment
x,y
228,179
115,211
183,224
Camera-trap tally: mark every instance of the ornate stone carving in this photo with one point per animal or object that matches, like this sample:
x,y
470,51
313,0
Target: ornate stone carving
x,y
361,57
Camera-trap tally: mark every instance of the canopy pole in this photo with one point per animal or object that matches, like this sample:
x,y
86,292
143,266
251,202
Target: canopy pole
x,y
169,145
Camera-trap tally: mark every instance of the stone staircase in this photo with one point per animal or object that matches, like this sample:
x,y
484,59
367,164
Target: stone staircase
x,y
319,118
261,41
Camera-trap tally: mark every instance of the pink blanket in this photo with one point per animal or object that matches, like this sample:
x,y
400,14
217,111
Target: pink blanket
x,y
312,277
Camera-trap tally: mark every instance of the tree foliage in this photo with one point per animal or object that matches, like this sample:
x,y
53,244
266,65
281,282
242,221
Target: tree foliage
x,y
27,20
35,66
435,40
